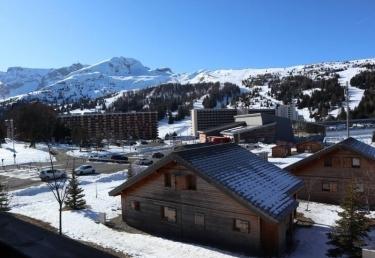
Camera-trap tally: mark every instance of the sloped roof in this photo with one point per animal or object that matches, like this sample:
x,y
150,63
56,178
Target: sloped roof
x,y
350,143
245,129
254,182
217,129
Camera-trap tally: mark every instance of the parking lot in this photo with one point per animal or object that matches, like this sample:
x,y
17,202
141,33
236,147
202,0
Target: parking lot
x,y
25,175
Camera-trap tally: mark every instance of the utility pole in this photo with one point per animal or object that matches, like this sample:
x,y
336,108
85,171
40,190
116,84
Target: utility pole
x,y
347,110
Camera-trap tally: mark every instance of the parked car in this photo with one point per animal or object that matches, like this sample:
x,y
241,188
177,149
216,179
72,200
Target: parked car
x,y
144,162
143,142
119,157
84,169
157,155
49,174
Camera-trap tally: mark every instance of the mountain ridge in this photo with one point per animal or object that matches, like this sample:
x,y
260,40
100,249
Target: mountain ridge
x,y
118,74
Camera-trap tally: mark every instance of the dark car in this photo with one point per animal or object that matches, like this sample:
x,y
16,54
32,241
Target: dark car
x,y
144,162
157,155
119,157
144,142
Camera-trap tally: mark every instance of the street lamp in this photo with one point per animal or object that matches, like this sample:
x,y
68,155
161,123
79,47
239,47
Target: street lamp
x,y
11,125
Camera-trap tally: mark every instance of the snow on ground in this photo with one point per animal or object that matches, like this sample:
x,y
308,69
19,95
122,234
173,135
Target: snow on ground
x,y
38,202
312,241
24,154
182,128
30,173
280,162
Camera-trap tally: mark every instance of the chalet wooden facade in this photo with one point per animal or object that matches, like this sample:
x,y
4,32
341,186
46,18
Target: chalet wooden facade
x,y
309,146
281,151
214,194
328,172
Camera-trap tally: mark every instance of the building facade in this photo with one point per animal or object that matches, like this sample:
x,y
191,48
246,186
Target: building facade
x,y
188,195
328,172
114,126
288,111
202,119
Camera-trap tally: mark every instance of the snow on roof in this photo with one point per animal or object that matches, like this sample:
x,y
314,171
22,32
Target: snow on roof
x,y
349,143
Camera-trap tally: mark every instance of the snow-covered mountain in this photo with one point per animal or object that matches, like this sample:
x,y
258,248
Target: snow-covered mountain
x,y
119,73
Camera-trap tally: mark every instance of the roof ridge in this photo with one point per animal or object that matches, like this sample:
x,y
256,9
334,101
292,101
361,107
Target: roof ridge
x,y
203,146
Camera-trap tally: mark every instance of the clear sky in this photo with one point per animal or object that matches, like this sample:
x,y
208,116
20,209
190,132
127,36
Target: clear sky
x,y
185,35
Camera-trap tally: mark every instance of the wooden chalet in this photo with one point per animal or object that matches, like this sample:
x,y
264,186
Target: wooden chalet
x,y
328,172
281,151
217,194
309,146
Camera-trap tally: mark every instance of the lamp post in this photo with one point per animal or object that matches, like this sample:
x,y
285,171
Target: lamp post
x,y
11,125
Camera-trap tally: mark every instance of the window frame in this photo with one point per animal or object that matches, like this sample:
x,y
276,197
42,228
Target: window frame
x,y
240,228
199,219
332,187
166,217
328,162
135,205
167,180
191,182
359,162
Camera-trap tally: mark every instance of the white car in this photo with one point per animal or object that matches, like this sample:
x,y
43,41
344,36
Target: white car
x,y
49,174
84,169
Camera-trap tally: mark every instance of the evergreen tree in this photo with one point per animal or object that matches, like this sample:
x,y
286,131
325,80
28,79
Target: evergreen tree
x,y
170,118
348,235
74,198
373,136
4,199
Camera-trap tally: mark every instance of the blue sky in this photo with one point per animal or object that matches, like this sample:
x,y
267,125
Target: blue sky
x,y
185,35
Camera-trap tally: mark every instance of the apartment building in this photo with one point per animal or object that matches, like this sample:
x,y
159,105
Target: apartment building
x,y
202,119
114,126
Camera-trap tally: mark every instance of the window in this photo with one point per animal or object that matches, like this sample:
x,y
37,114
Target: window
x,y
135,205
326,187
199,219
329,187
191,182
168,214
241,226
356,163
167,180
336,162
328,162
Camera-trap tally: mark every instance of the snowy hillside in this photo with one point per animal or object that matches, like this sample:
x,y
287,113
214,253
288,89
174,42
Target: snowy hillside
x,y
119,74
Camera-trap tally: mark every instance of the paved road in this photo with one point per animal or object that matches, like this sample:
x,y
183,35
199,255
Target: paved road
x,y
22,239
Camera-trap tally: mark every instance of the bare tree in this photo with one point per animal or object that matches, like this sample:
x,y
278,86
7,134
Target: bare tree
x,y
309,185
58,187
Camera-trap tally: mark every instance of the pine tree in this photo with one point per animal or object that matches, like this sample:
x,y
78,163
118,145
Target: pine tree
x,y
351,229
4,199
74,198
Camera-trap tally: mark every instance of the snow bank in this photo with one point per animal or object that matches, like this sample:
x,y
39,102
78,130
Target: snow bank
x,y
24,154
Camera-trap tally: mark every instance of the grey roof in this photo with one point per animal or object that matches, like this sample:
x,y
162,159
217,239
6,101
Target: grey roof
x,y
254,182
350,143
245,129
218,129
360,147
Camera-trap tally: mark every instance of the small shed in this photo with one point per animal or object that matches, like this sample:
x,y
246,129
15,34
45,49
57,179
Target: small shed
x,y
281,151
309,146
